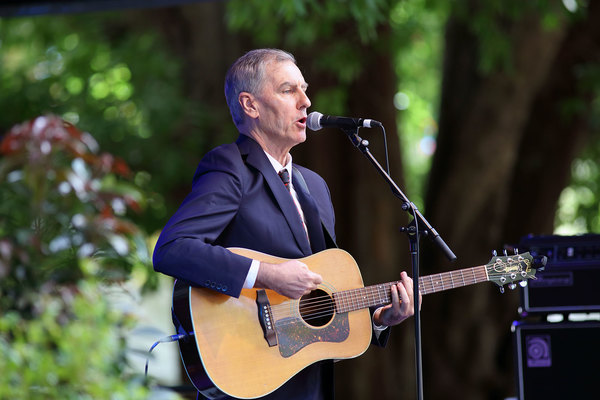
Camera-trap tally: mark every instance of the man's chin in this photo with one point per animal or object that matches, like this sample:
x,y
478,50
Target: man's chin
x,y
302,137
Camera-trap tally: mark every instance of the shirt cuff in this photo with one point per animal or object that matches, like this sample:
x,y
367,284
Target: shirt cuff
x,y
377,329
252,274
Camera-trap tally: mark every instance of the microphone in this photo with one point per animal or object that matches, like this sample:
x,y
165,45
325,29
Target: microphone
x,y
316,121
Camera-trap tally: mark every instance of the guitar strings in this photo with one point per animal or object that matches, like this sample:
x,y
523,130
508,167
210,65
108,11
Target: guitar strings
x,y
443,280
349,296
358,298
320,306
359,295
449,280
316,307
328,310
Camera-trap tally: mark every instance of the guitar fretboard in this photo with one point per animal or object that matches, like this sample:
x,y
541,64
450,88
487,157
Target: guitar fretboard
x,y
376,295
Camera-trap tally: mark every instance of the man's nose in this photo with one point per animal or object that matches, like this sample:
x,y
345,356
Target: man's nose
x,y
304,101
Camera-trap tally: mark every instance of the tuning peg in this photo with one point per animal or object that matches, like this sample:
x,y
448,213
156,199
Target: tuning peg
x,y
523,283
516,251
501,289
494,253
505,252
512,286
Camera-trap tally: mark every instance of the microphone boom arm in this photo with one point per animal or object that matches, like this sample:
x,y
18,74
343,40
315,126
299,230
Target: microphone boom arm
x,y
362,145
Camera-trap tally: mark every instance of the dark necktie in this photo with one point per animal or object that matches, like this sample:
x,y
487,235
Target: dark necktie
x,y
285,178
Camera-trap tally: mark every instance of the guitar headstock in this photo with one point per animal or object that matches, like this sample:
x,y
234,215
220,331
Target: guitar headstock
x,y
509,269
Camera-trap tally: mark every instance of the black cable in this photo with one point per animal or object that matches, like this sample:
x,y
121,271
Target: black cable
x,y
385,146
166,339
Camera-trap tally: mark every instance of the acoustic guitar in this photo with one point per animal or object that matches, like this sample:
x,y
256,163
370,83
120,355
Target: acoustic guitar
x,y
247,347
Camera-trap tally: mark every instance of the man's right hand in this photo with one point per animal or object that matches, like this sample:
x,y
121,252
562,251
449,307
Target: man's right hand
x,y
291,279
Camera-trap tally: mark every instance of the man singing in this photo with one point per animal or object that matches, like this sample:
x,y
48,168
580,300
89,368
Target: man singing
x,y
249,194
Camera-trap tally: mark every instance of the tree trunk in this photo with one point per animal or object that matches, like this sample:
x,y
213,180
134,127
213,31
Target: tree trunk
x,y
557,128
485,190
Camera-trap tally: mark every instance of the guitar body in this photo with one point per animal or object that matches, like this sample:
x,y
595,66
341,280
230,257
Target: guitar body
x,y
229,353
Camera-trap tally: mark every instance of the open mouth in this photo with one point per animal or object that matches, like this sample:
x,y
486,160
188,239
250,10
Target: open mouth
x,y
302,120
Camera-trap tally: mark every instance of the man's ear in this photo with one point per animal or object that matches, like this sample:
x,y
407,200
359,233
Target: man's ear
x,y
248,104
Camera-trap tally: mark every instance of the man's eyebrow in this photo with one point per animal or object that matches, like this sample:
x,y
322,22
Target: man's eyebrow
x,y
304,85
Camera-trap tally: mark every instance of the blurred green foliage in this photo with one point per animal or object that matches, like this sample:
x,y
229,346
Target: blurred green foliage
x,y
124,87
418,27
579,203
64,213
489,21
75,357
64,233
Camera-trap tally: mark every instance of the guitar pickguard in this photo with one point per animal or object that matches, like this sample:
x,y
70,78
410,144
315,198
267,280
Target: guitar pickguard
x,y
294,334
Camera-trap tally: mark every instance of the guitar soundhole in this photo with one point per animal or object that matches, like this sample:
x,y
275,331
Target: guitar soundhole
x,y
317,308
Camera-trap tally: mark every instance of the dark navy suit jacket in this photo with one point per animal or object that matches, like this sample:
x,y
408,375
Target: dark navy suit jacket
x,y
238,200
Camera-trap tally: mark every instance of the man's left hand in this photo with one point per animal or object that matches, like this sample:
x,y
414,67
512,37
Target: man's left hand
x,y
402,305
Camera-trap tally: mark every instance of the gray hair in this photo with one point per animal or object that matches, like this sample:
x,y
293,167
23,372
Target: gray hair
x,y
247,74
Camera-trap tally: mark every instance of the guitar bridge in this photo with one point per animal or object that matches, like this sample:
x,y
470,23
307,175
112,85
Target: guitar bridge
x,y
265,317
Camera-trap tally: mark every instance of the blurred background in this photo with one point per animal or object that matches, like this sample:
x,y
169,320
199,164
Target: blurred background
x,y
492,115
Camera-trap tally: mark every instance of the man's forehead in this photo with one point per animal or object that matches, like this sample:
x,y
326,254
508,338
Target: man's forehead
x,y
285,73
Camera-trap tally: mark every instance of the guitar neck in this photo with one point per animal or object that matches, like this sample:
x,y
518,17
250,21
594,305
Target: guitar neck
x,y
377,295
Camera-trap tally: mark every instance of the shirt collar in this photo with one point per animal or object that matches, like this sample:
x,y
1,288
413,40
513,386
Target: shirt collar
x,y
278,167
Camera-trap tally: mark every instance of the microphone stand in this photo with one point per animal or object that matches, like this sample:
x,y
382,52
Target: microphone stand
x,y
413,231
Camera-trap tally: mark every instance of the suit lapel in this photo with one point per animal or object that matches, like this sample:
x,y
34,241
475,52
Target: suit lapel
x,y
301,183
256,157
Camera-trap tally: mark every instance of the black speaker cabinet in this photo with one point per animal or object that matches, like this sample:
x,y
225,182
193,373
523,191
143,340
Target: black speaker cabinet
x,y
569,283
558,360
